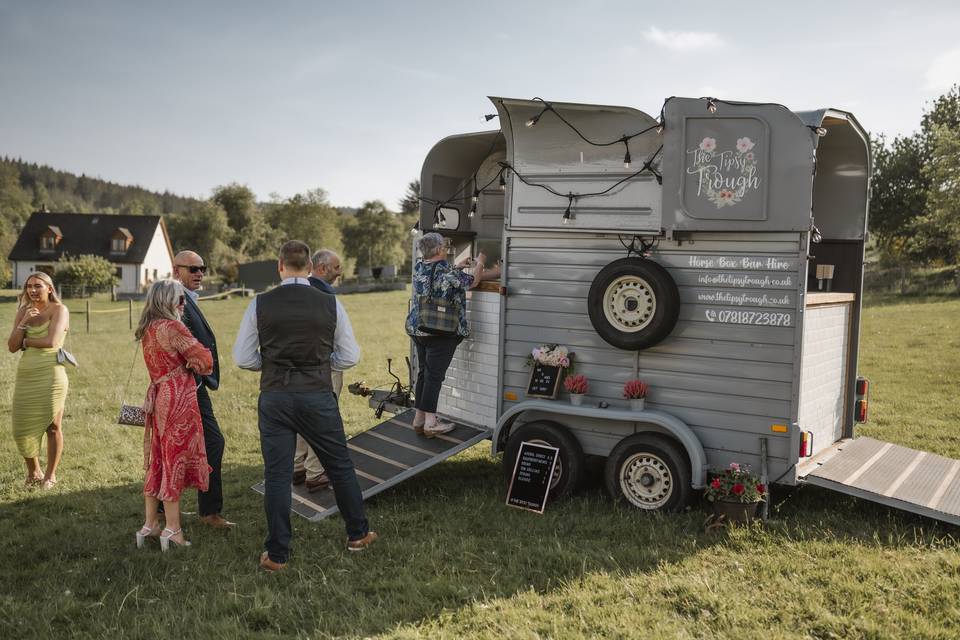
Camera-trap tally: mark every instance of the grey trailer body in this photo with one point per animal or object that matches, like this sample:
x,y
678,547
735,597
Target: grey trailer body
x,y
757,206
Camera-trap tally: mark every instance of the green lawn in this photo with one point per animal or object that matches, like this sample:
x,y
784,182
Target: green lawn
x,y
454,561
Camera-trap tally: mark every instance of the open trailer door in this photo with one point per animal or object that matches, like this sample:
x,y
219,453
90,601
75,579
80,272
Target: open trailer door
x,y
902,478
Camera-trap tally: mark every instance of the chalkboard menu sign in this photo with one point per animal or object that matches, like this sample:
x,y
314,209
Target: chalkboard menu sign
x,y
544,381
530,482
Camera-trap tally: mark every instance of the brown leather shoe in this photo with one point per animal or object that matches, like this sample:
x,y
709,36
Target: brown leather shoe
x,y
362,543
299,476
217,521
322,481
269,565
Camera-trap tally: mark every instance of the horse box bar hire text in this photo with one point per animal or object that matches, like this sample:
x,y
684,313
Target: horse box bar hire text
x,y
715,252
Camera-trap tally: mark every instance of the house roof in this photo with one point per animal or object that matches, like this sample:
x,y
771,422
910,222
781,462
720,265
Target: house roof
x,y
85,233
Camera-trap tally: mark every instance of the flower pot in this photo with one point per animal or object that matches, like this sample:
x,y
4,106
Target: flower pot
x,y
576,399
736,511
636,404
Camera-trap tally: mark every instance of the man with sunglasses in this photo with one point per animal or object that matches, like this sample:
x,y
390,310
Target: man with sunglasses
x,y
189,270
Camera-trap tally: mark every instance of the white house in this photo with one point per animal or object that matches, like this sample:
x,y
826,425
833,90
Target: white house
x,y
138,246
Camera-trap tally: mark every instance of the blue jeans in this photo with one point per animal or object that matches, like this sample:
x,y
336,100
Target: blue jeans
x,y
316,417
434,355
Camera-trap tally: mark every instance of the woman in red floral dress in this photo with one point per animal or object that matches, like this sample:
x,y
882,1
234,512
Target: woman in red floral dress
x,y
174,455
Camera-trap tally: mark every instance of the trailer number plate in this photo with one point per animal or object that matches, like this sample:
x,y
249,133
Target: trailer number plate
x,y
759,318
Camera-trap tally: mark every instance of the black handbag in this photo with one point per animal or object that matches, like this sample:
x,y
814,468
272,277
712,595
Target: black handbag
x,y
435,317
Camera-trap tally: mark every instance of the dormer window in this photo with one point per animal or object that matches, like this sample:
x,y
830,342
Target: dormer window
x,y
121,240
50,238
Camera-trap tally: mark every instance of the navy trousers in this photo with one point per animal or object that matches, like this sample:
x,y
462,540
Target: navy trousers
x,y
316,417
210,502
434,355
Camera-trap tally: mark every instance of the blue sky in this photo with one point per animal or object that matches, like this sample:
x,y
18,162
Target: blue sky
x,y
288,96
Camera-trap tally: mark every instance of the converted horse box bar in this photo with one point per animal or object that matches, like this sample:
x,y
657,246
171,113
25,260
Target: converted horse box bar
x,y
716,253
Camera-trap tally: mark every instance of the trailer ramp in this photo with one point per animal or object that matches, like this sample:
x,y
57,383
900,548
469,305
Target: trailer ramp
x,y
907,479
384,456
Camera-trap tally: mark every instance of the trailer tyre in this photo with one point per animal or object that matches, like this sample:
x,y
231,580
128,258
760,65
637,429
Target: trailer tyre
x,y
650,473
633,303
569,470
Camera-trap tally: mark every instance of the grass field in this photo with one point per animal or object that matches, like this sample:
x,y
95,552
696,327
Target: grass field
x,y
454,562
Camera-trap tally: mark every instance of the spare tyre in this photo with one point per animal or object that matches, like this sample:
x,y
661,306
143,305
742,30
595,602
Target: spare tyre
x,y
633,303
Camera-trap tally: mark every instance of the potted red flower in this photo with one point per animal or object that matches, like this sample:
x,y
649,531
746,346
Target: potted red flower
x,y
576,386
635,391
735,493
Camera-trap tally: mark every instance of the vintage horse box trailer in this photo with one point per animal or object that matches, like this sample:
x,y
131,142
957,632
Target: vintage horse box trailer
x,y
715,253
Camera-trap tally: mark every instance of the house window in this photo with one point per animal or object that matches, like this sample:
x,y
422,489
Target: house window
x,y
118,272
48,243
154,274
118,245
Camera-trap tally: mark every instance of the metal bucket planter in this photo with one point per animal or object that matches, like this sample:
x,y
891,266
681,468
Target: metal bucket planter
x,y
636,404
576,399
741,512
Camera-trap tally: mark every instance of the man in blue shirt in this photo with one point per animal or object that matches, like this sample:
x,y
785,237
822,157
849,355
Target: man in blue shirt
x,y
294,335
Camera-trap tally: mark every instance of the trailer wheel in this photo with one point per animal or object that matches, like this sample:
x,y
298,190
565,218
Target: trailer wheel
x,y
569,470
633,303
650,473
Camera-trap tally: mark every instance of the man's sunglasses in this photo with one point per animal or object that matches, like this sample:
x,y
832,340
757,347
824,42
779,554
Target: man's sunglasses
x,y
192,268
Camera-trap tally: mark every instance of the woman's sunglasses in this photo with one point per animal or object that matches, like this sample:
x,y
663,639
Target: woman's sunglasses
x,y
183,301
193,268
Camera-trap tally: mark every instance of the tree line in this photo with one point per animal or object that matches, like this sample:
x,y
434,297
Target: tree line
x,y
229,228
915,201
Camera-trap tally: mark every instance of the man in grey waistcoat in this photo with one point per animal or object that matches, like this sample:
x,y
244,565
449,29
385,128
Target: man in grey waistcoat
x,y
294,335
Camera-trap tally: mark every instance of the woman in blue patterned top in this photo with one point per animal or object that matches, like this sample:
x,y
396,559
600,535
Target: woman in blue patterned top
x,y
434,275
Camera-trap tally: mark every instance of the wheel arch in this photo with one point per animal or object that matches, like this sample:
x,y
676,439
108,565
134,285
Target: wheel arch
x,y
653,422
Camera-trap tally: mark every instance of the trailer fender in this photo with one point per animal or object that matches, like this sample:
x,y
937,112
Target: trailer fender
x,y
667,423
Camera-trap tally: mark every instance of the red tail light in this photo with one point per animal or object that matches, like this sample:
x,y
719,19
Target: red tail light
x,y
806,444
863,386
863,392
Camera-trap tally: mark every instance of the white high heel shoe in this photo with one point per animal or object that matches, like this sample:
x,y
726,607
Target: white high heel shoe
x,y
146,532
167,537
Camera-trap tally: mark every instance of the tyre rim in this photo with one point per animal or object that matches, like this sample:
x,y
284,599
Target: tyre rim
x,y
629,304
646,481
557,469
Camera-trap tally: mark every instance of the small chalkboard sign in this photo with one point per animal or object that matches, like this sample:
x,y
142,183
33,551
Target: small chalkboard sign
x,y
544,381
530,482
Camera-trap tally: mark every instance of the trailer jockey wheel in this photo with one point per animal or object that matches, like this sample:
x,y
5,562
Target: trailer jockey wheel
x,y
650,473
568,472
633,303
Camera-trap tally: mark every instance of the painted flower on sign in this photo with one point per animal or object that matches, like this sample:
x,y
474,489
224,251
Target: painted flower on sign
x,y
708,144
744,144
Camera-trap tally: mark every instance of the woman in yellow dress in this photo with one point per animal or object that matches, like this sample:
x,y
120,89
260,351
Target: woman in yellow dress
x,y
41,389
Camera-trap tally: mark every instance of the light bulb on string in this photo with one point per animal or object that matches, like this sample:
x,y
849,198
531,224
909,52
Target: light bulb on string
x,y
711,105
476,197
660,128
532,121
416,229
568,214
626,156
473,210
821,131
503,182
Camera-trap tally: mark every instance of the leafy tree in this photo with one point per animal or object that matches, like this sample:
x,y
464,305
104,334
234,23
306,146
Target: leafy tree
x,y
936,237
375,235
93,271
944,113
411,200
309,217
240,204
899,191
15,201
203,230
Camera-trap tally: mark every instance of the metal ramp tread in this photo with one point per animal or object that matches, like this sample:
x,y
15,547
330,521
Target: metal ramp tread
x,y
895,476
384,456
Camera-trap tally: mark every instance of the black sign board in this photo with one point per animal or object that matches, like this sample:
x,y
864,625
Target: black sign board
x,y
530,482
544,381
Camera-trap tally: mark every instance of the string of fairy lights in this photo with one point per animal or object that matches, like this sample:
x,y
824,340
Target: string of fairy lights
x,y
459,196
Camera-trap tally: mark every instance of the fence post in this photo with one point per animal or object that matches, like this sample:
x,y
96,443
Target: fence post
x,y
130,312
88,316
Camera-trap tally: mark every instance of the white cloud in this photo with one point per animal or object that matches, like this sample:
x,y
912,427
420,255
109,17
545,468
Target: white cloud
x,y
944,71
683,40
